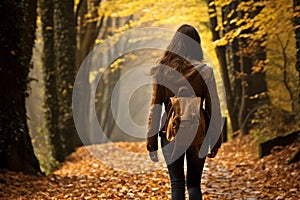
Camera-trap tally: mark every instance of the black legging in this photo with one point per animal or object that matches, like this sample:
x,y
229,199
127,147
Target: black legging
x,y
176,172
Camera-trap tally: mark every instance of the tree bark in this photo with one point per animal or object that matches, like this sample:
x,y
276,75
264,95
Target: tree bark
x,y
221,54
88,31
65,49
296,22
17,39
254,84
283,48
241,84
51,105
109,78
86,39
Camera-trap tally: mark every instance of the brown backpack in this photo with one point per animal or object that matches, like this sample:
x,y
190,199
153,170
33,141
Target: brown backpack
x,y
185,115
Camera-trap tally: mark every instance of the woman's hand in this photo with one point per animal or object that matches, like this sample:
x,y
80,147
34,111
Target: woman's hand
x,y
153,156
213,153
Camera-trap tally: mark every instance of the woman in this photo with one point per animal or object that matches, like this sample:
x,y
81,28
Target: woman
x,y
183,55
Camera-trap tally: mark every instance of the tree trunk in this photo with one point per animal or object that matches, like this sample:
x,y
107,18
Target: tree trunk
x,y
50,73
17,39
65,49
221,54
296,22
283,48
86,39
249,89
109,78
254,86
241,85
88,32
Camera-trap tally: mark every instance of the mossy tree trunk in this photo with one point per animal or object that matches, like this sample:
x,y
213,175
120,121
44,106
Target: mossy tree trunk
x,y
18,24
65,57
50,80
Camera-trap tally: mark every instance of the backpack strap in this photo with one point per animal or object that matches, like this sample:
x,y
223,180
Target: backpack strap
x,y
170,108
200,103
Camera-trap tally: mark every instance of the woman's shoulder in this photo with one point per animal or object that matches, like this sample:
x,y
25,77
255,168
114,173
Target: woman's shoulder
x,y
157,73
205,70
156,70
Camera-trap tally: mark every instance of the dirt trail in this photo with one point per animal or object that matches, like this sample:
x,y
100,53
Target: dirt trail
x,y
234,174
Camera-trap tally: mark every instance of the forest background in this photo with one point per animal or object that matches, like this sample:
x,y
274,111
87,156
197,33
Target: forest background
x,y
253,44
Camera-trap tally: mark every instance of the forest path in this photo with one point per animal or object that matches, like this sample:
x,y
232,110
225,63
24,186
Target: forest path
x,y
234,174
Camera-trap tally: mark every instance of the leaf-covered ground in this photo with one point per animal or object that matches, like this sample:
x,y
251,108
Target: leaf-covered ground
x,y
122,171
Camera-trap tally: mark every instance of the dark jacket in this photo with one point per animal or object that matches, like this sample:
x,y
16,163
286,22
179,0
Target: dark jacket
x,y
166,84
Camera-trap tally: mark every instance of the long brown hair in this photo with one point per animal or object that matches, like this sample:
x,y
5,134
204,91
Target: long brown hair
x,y
184,47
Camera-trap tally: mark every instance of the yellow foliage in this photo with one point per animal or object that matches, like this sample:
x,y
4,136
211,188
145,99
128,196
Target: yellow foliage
x,y
157,12
273,21
93,74
117,64
221,42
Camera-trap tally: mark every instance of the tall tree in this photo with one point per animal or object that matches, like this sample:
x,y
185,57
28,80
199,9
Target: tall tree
x,y
296,22
252,56
93,26
222,58
50,79
59,57
87,33
88,27
65,57
18,23
110,77
63,31
245,88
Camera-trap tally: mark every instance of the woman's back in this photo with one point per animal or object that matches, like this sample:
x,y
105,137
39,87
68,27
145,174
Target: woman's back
x,y
195,77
